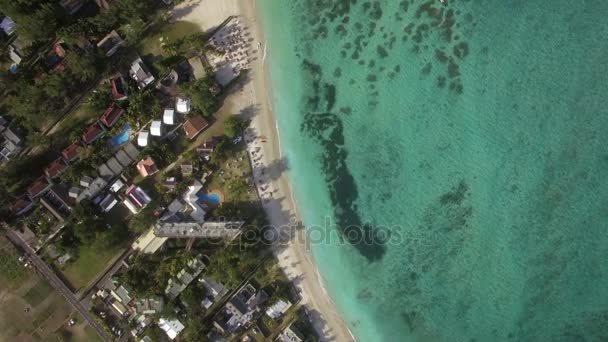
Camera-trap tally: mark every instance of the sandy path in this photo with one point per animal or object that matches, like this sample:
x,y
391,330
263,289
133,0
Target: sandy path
x,y
253,100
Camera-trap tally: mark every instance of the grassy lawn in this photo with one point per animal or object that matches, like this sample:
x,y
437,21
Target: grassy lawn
x,y
11,271
90,262
172,31
38,293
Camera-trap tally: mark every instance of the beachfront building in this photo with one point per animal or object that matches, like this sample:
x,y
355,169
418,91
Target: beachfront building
x,y
290,334
195,125
278,309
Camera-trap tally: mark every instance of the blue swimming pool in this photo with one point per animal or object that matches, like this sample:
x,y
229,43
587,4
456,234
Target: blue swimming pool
x,y
123,137
211,198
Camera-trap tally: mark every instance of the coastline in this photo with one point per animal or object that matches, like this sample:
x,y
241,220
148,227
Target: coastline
x,y
294,256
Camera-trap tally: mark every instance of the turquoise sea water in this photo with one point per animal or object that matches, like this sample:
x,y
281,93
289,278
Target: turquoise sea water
x,y
459,153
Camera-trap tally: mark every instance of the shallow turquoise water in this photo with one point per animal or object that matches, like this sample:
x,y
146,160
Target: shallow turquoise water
x,y
472,154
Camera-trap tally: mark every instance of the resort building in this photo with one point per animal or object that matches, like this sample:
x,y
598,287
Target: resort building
x,y
119,88
182,105
71,153
171,327
141,74
111,115
208,230
156,128
195,125
169,116
143,138
92,133
147,167
55,168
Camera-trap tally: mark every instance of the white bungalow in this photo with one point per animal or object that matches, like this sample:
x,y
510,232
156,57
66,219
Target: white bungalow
x,y
142,138
182,105
156,128
169,116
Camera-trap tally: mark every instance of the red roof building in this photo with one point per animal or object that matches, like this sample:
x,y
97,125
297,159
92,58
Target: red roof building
x,y
194,126
92,133
38,187
111,115
71,152
119,88
21,205
55,168
147,167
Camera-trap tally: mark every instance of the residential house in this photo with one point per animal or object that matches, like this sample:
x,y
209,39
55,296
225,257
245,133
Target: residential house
x,y
141,74
71,6
169,116
86,181
156,128
95,187
170,183
116,186
110,43
119,88
136,199
278,309
122,294
74,192
182,105
171,327
92,133
148,243
111,115
290,334
198,69
71,153
7,25
107,203
149,306
147,167
119,308
187,169
195,125
11,146
184,277
241,309
39,187
58,202
54,169
15,54
3,124
21,205
143,138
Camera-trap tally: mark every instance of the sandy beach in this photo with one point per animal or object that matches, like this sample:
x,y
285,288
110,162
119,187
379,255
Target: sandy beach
x,y
253,100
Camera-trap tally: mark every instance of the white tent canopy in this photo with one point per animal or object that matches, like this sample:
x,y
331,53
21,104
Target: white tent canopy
x,y
169,116
142,138
156,128
182,105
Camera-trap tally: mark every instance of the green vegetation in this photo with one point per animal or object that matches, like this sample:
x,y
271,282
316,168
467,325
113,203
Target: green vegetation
x,y
11,271
235,125
91,260
38,293
148,274
143,106
201,94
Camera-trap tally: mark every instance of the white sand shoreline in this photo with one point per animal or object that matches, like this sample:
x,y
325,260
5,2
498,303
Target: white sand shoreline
x,y
294,257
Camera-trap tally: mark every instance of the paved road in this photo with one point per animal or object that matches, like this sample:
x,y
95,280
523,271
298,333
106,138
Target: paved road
x,y
57,283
